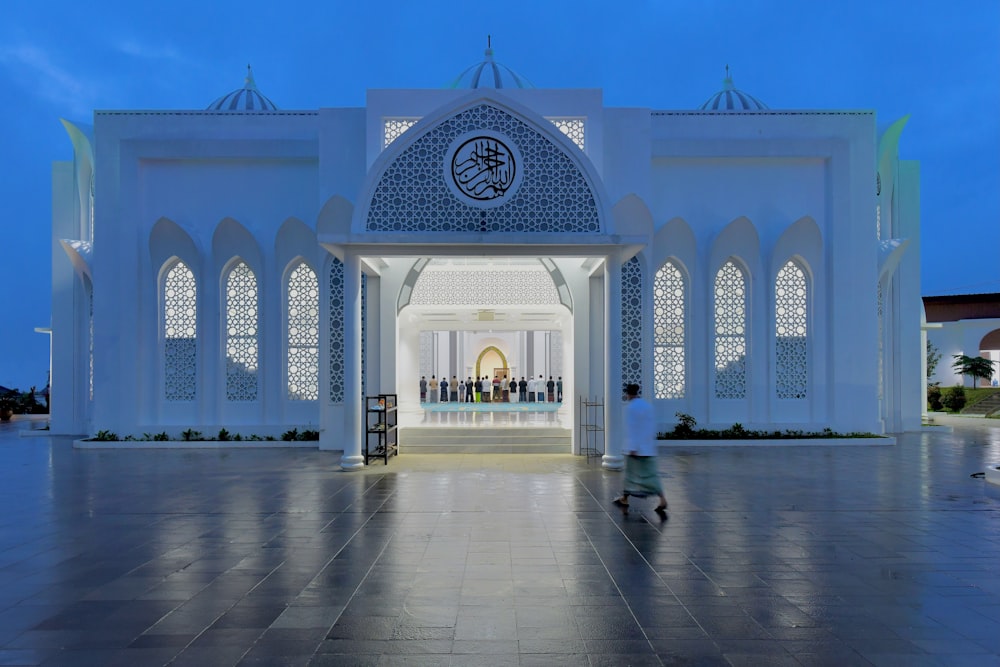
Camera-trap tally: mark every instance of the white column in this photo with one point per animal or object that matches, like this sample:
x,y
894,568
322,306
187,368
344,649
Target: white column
x,y
612,459
353,403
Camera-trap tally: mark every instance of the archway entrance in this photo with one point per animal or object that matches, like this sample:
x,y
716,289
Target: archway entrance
x,y
470,318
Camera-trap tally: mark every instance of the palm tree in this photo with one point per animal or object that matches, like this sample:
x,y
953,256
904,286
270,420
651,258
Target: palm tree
x,y
975,367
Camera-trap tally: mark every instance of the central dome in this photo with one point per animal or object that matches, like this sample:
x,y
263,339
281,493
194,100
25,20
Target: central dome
x,y
489,74
731,99
247,98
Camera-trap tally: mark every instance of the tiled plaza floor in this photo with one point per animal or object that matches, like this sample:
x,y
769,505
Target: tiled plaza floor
x,y
769,556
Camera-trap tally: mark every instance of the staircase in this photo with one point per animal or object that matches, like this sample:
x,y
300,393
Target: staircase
x,y
984,407
485,440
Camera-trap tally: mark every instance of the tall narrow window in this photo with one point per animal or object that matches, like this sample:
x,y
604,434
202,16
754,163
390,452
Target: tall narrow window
x,y
791,302
180,330
730,332
669,316
241,334
303,334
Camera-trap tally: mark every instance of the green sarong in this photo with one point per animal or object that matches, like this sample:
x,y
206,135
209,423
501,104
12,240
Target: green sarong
x,y
641,477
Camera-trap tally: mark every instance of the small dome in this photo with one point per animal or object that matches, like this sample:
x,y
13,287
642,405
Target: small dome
x,y
731,99
247,98
490,74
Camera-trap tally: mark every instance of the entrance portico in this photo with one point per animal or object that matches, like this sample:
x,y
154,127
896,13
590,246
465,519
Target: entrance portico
x,y
592,329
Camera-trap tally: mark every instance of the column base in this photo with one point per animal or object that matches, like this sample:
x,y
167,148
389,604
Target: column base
x,y
612,462
352,462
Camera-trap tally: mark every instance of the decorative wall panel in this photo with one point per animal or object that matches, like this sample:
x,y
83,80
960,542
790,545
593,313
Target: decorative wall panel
x,y
669,322
303,334
241,334
791,302
412,194
180,334
730,332
631,306
336,342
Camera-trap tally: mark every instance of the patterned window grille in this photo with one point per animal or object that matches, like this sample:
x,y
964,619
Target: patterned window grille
x,y
303,334
180,331
572,128
394,128
669,318
631,305
336,336
791,303
730,332
467,286
241,334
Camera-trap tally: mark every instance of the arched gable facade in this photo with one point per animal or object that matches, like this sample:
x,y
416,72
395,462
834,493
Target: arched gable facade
x,y
270,214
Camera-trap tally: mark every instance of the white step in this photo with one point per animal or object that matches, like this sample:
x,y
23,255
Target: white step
x,y
467,440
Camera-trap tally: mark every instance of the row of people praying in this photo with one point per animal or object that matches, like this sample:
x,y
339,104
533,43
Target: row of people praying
x,y
485,390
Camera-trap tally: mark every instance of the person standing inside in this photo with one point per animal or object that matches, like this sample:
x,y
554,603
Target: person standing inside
x,y
433,386
550,387
423,388
469,391
444,388
559,390
540,389
460,394
454,389
496,388
522,391
640,448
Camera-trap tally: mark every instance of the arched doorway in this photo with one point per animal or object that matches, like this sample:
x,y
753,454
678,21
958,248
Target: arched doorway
x,y
989,348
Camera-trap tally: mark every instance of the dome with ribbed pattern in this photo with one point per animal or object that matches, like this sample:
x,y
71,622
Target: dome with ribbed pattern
x,y
731,99
247,98
490,74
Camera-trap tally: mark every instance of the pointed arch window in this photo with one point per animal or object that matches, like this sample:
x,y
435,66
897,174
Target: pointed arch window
x,y
791,315
302,364
730,332
180,333
669,321
241,334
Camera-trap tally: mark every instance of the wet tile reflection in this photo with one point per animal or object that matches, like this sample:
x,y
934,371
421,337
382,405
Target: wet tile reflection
x,y
770,555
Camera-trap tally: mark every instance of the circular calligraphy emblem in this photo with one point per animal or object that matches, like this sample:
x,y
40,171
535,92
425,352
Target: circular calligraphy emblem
x,y
484,169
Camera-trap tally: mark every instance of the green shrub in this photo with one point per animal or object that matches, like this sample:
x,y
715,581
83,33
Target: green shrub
x,y
190,435
934,398
309,435
954,398
106,436
223,435
290,435
685,425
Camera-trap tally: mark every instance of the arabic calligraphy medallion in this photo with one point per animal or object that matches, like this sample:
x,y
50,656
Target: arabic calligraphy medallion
x,y
484,169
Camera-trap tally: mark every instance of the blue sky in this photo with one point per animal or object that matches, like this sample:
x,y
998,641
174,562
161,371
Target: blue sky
x,y
939,61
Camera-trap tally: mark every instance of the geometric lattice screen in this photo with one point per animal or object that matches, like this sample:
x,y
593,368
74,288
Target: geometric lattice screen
x,y
791,303
669,314
336,339
241,334
730,332
631,307
572,128
180,334
412,194
302,364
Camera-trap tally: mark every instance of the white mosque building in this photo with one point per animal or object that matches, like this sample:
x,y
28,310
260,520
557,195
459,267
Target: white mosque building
x,y
258,269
